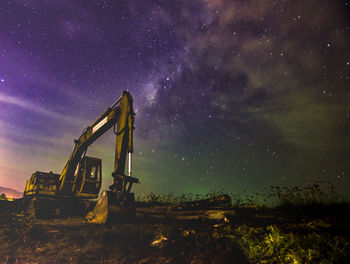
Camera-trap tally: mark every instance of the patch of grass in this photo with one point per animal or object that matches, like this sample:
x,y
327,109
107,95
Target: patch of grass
x,y
154,199
271,245
308,193
311,193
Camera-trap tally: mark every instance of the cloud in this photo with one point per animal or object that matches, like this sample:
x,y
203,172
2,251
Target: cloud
x,y
34,107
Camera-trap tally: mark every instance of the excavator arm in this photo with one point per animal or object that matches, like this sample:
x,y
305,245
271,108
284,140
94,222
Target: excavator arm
x,y
118,202
120,114
124,147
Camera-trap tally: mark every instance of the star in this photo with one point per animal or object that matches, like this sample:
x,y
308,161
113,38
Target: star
x,y
246,94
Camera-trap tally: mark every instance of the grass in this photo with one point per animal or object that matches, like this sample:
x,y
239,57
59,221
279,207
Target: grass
x,y
173,199
270,244
308,194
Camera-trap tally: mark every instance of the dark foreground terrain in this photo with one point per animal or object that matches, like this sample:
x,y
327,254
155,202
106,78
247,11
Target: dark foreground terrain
x,y
240,234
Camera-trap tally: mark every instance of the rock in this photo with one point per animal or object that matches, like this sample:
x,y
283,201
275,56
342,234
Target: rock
x,y
159,242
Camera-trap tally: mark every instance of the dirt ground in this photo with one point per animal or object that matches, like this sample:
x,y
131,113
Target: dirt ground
x,y
245,235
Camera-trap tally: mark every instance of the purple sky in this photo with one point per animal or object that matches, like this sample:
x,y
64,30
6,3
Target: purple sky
x,y
234,95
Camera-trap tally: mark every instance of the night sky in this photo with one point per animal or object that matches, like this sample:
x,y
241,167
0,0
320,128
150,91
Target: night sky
x,y
229,95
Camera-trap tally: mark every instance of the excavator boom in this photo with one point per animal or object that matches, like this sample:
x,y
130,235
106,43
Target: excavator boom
x,y
68,177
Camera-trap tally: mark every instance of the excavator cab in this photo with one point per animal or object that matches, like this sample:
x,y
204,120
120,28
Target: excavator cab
x,y
87,184
88,177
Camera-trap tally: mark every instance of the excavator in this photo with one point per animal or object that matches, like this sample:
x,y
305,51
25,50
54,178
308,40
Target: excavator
x,y
81,177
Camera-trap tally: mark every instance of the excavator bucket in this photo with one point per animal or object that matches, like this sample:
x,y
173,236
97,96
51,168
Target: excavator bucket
x,y
111,207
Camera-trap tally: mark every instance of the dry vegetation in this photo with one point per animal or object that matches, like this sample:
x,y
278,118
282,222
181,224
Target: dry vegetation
x,y
308,224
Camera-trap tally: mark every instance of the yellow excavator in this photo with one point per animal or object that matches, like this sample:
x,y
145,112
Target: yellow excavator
x,y
81,177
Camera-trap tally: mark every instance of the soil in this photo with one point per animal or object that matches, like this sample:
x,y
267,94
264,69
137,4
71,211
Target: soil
x,y
241,235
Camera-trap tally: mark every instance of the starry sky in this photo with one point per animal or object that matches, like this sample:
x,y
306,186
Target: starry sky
x,y
229,95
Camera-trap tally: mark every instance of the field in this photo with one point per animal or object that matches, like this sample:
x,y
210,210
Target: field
x,y
171,229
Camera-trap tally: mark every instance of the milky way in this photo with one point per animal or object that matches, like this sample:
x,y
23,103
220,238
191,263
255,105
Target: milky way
x,y
229,95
